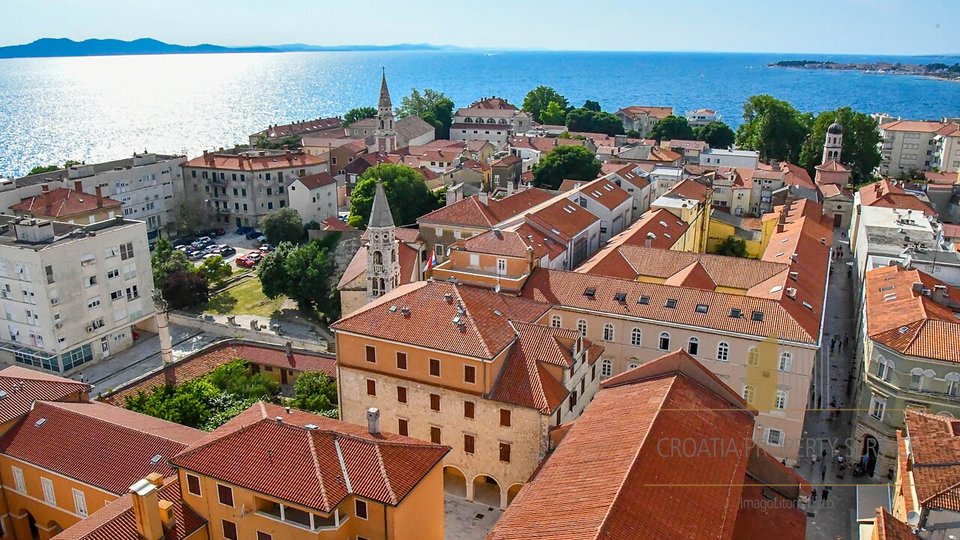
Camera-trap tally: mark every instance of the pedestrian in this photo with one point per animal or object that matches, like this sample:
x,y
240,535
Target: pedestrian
x,y
833,341
813,497
823,471
846,338
824,494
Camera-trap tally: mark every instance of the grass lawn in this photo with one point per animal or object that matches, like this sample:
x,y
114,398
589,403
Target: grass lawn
x,y
244,299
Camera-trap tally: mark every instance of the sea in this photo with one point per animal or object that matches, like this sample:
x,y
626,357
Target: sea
x,y
103,108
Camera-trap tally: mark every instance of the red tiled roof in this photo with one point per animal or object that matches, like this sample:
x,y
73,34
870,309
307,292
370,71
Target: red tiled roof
x,y
314,181
311,127
887,194
63,203
317,467
653,112
334,224
116,520
240,162
494,103
686,145
563,218
660,227
604,192
542,244
887,527
95,443
471,212
912,125
951,230
934,442
496,242
23,386
832,165
689,189
543,144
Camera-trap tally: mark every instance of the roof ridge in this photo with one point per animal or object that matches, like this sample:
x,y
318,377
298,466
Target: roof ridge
x,y
319,473
383,471
472,320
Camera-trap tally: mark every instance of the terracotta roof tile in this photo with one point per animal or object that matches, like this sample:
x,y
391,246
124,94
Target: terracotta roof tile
x,y
563,218
653,112
887,527
688,189
63,203
912,125
543,144
240,162
605,192
658,228
23,386
934,459
314,181
887,194
471,212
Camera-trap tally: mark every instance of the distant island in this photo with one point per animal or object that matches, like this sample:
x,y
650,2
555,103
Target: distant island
x,y
936,70
54,47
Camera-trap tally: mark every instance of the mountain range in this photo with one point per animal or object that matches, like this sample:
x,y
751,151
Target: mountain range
x,y
52,47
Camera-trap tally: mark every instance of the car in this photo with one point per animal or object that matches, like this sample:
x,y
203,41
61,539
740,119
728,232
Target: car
x,y
195,255
225,250
253,234
266,248
205,240
211,255
260,239
184,248
243,230
249,261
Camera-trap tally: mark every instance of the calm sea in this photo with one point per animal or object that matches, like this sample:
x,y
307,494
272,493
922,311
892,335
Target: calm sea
x,y
102,108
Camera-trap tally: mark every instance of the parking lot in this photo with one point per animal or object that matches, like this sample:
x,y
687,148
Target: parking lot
x,y
239,242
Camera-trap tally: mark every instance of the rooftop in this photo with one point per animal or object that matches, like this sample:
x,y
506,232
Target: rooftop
x,y
253,161
934,459
888,193
912,125
20,387
643,110
473,212
63,203
563,218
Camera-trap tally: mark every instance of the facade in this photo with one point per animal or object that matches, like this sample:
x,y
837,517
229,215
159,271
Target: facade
x,y
241,189
722,157
314,197
910,335
947,152
606,200
702,117
635,180
72,294
532,149
149,186
640,118
908,145
492,120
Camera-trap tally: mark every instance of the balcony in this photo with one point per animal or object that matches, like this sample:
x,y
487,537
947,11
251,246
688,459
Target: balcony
x,y
298,518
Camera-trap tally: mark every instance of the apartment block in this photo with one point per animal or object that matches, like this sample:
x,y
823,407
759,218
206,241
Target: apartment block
x,y
908,145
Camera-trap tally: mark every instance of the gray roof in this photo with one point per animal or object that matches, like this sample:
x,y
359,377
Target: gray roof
x,y
63,175
411,127
384,93
380,214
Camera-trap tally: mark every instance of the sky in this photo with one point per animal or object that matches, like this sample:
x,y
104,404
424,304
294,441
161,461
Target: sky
x,y
884,27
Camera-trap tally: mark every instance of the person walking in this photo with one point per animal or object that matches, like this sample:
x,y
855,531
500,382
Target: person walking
x,y
824,494
823,471
813,497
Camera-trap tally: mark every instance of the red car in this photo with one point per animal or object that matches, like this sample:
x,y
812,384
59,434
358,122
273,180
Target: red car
x,y
250,260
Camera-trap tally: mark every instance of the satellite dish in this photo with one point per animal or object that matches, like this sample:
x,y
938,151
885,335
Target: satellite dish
x,y
913,519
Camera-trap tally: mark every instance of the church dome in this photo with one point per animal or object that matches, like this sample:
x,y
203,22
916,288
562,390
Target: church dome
x,y
835,129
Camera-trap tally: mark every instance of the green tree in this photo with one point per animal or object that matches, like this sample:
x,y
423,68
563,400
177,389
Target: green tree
x,y
633,134
185,289
406,191
315,391
591,105
563,162
732,247
166,261
272,271
538,99
716,134
671,127
214,270
357,114
40,169
774,128
304,274
235,377
553,114
284,225
589,121
861,143
432,106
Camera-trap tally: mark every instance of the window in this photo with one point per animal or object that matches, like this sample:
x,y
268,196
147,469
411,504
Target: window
x,y
877,406
884,368
126,251
468,409
435,435
434,367
90,281
643,300
671,303
505,417
555,321
775,437
371,387
79,502
113,273
133,293
606,368
93,302
360,509
749,393
48,494
693,346
401,360
229,530
953,383
402,427
780,400
371,352
468,443
435,402
636,337
785,359
505,452
469,374
702,308
49,270
753,357
723,351
193,485
608,332
18,482
116,295
664,341
501,267
264,536
582,327
225,494
402,394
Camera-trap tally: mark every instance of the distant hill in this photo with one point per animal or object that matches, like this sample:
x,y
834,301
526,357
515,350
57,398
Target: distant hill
x,y
51,47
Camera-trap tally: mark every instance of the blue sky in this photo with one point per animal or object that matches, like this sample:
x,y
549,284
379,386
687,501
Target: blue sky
x,y
817,26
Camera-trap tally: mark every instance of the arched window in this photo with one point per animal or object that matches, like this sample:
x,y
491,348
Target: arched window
x,y
608,332
749,393
582,327
664,341
780,401
636,337
723,351
468,120
753,357
953,383
884,368
555,321
785,360
491,121
606,368
377,257
632,365
693,346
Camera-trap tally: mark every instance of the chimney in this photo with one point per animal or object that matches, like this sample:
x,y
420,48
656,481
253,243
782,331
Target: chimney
x,y
373,420
77,185
484,197
941,295
45,188
99,198
146,510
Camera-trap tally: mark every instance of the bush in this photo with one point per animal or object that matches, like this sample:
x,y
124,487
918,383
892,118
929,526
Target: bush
x,y
315,391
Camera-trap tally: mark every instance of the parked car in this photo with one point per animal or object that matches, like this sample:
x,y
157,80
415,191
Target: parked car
x,y
261,239
253,234
216,231
266,248
243,230
226,251
195,255
205,240
184,248
250,260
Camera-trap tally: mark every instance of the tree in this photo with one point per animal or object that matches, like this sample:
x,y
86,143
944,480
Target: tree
x,y
633,134
671,127
553,114
591,105
431,106
539,98
563,162
40,169
284,225
304,274
773,127
215,270
732,247
861,143
272,271
185,289
406,191
590,121
315,391
716,134
357,114
166,261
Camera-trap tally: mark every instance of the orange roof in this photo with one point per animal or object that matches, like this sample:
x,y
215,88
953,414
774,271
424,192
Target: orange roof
x,y
309,459
563,218
22,386
70,441
901,316
653,112
832,165
887,193
934,459
334,224
912,125
628,173
240,162
605,192
471,212
542,244
887,527
63,203
314,181
659,228
689,189
658,153
497,242
309,127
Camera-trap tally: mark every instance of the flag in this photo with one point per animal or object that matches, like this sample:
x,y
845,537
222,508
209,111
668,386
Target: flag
x,y
431,262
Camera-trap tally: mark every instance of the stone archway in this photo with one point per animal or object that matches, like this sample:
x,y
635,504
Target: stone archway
x,y
486,490
454,482
512,492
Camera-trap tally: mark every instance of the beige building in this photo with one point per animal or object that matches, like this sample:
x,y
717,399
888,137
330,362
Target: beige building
x,y
72,294
908,145
641,118
947,152
314,197
491,119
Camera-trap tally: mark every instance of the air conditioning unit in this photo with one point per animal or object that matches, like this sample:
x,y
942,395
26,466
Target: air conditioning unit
x,y
58,326
89,328
54,301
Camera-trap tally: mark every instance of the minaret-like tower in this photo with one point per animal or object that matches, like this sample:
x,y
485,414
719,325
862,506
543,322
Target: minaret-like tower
x,y
386,133
383,264
833,143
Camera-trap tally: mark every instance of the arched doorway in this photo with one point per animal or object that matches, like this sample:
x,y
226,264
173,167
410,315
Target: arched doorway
x,y
34,530
512,492
868,455
454,482
486,490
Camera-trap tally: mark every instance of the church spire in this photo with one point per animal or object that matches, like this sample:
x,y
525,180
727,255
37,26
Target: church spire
x,y
380,214
385,136
385,102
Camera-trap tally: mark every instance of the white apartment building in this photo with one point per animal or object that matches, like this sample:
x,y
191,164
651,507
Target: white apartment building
x,y
149,186
947,152
492,120
71,294
908,145
722,157
314,197
702,117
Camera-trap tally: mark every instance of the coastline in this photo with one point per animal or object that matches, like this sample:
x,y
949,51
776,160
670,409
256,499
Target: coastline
x,y
916,70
